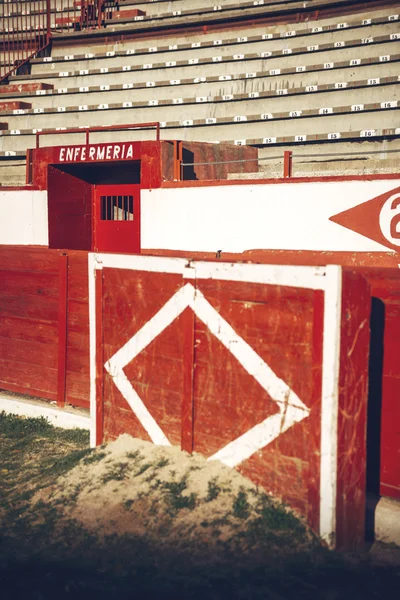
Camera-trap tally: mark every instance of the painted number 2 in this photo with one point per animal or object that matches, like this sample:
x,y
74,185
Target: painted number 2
x,y
389,220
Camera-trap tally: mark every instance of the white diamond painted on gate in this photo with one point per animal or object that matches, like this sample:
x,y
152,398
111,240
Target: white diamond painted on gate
x,y
291,409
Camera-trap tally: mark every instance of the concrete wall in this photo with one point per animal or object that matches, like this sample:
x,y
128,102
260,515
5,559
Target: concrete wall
x,y
23,217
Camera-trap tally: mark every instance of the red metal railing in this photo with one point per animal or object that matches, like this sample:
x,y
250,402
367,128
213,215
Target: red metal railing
x,y
24,31
26,26
88,130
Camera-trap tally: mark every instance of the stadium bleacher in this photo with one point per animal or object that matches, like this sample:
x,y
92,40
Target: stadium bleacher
x,y
323,84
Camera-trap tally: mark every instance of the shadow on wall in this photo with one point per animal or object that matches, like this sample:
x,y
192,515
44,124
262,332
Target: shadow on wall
x,y
374,410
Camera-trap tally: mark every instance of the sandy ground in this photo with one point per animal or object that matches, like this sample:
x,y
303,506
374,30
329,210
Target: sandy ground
x,y
171,498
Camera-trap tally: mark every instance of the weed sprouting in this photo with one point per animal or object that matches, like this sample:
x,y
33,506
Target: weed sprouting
x,y
175,497
118,472
213,490
163,462
94,458
241,507
133,455
142,469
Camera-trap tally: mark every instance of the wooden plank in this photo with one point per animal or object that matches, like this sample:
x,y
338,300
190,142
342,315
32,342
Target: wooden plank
x,y
25,258
32,307
187,415
30,379
28,352
390,434
28,283
62,329
30,330
353,397
77,389
99,359
28,391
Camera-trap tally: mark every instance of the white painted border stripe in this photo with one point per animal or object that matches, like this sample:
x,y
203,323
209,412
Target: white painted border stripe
x,y
290,276
303,277
154,264
57,417
330,403
92,345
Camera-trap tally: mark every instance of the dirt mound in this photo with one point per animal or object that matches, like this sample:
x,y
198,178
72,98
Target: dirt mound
x,y
173,500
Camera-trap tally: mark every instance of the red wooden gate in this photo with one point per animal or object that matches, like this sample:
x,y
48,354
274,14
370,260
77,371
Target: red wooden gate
x,y
243,364
116,225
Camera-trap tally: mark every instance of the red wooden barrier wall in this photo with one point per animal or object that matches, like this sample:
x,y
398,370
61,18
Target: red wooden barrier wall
x,y
264,368
44,323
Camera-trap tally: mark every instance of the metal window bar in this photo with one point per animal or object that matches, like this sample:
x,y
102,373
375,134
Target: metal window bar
x,y
116,208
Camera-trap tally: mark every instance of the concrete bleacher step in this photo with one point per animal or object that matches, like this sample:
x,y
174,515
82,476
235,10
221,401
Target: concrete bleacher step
x,y
325,100
259,135
236,37
13,171
209,15
223,50
331,82
215,85
311,167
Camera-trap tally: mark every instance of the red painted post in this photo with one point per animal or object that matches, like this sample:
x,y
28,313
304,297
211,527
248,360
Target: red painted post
x,y
28,171
62,328
177,160
287,164
48,21
99,359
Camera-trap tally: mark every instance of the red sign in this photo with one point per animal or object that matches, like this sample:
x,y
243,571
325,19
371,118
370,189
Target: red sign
x,y
377,219
96,152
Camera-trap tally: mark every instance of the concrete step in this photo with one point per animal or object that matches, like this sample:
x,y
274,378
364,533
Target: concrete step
x,y
209,68
364,149
153,54
312,167
256,133
12,172
180,110
208,37
214,85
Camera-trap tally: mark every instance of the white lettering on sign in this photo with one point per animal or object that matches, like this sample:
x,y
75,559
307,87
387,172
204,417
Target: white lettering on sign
x,y
389,220
96,153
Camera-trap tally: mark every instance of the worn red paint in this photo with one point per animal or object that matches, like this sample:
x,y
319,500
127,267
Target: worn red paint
x,y
352,416
116,235
186,371
30,315
8,105
99,361
15,88
62,329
